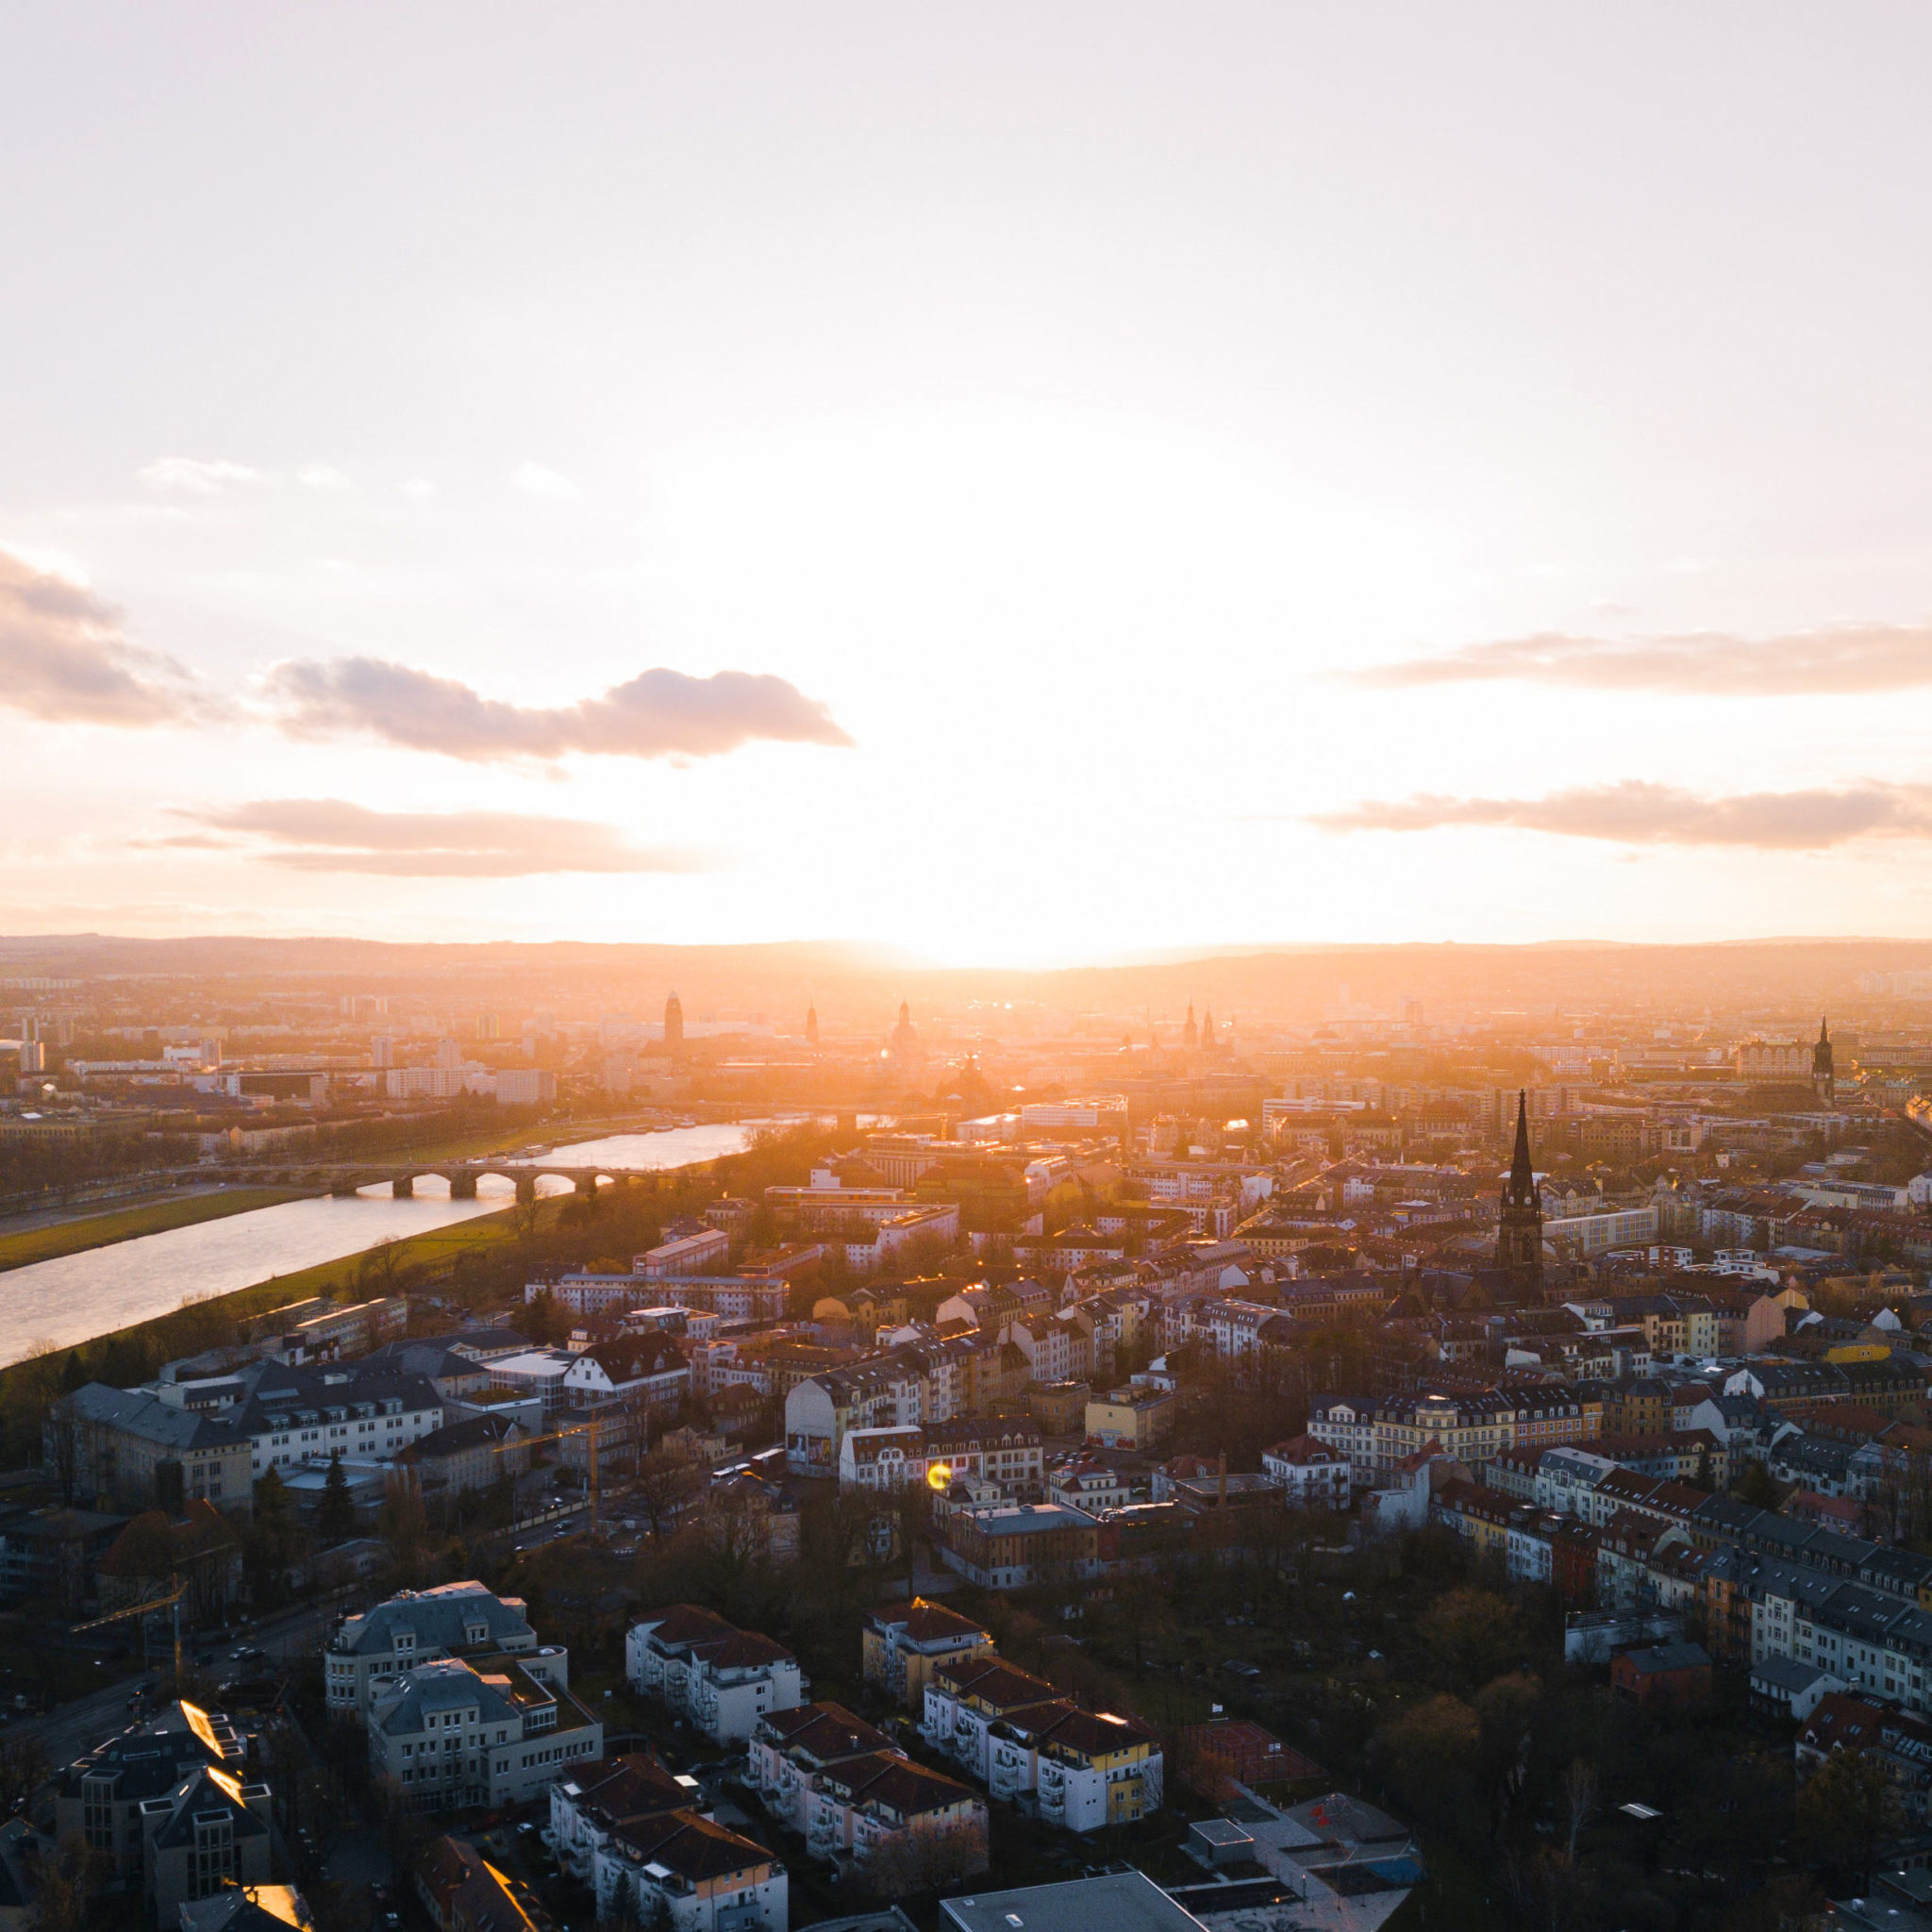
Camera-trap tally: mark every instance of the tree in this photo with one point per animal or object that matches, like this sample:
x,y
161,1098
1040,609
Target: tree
x,y
1846,1810
336,1519
1757,1488
71,1884
25,1767
543,1321
666,1487
1428,1752
925,1857
273,1540
1575,1802
1475,1635
404,1525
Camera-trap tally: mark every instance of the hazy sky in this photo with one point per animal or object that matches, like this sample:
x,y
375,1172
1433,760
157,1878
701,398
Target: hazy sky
x,y
1015,480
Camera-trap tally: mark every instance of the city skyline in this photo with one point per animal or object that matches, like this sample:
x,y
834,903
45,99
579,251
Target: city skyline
x,y
961,482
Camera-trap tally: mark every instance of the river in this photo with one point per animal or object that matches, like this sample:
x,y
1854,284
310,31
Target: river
x,y
77,1296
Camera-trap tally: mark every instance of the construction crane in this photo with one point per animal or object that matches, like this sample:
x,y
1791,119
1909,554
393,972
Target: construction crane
x,y
172,1601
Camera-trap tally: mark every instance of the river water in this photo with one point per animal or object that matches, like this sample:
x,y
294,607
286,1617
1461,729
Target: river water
x,y
76,1296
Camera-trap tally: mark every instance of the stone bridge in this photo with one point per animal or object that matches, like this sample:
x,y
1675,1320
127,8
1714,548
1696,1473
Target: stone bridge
x,y
463,1175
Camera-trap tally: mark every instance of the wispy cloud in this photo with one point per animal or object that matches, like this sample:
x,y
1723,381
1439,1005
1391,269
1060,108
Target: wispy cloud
x,y
333,835
1850,657
65,658
1636,813
541,481
659,714
197,478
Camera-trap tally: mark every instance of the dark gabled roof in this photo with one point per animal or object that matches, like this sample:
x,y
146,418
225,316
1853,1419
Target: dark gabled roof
x,y
823,1732
895,1783
999,1683
153,1420
472,1432
631,1357
316,1387
632,1787
202,1790
695,1847
739,1649
677,1624
924,1623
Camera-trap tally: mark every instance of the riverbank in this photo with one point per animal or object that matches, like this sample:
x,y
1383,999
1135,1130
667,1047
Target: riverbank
x,y
23,1247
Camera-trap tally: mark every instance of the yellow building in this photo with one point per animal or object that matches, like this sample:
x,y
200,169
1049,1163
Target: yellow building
x,y
904,1643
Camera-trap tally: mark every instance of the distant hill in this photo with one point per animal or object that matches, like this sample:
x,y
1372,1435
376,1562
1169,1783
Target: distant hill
x,y
860,984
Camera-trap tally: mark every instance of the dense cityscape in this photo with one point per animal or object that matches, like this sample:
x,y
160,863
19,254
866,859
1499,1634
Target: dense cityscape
x,y
1395,1450
965,968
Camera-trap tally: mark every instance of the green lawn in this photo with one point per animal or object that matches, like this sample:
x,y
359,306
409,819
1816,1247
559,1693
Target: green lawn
x,y
129,1224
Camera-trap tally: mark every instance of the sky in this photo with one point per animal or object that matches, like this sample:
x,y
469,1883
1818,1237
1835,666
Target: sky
x,y
1019,482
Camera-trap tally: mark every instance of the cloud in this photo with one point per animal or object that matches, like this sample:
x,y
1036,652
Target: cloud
x,y
332,835
1636,813
64,657
541,481
321,477
197,478
1845,657
659,714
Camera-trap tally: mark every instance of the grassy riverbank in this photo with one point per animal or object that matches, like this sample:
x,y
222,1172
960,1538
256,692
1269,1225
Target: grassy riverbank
x,y
375,1270
129,1224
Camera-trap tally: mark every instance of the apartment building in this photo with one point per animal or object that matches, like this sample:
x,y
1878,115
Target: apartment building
x,y
132,1451
100,1797
1313,1475
1090,1487
1080,1770
1006,1547
1006,1454
1131,1418
637,1372
686,1870
369,1652
1377,1433
861,1809
488,1731
588,1808
723,1678
790,1748
964,1701
462,1891
210,1832
1077,1769
904,1642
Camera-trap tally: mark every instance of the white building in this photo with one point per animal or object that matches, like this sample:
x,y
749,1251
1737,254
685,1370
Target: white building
x,y
370,1653
1314,1475
447,1734
723,1678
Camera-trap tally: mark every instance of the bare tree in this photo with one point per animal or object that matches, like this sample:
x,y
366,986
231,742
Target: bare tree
x,y
1576,1801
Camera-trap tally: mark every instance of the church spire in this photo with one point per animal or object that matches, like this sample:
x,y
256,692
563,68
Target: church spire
x,y
1522,1170
1520,1225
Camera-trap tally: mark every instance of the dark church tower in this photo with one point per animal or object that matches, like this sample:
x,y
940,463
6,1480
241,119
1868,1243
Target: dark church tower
x,y
1822,1081
1520,1231
673,1023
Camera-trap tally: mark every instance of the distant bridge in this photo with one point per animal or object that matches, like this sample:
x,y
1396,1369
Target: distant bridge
x,y
342,1179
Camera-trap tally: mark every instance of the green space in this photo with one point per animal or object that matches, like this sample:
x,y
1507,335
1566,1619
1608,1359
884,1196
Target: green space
x,y
128,1223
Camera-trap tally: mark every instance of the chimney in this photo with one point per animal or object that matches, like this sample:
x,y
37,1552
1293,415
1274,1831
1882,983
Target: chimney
x,y
1221,1482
